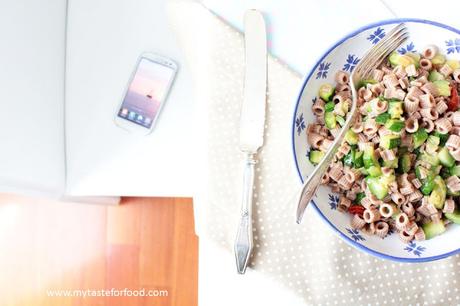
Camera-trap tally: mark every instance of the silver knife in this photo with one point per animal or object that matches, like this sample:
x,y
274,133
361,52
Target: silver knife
x,y
252,123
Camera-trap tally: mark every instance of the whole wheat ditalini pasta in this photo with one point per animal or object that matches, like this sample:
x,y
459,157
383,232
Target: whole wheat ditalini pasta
x,y
449,206
400,159
387,210
425,64
357,222
381,229
420,235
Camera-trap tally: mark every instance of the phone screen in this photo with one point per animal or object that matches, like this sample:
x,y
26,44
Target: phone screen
x,y
146,92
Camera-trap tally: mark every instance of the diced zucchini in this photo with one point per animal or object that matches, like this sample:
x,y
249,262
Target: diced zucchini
x,y
364,82
455,170
326,91
391,163
390,141
329,107
438,195
415,58
349,159
454,217
454,64
438,59
445,158
443,87
420,136
330,120
432,229
316,156
340,120
395,109
377,186
404,163
432,143
374,171
394,58
382,118
358,163
442,138
427,185
431,159
351,137
435,76
395,125
369,157
359,197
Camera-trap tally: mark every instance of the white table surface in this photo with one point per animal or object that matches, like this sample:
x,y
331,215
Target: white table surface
x,y
104,40
32,94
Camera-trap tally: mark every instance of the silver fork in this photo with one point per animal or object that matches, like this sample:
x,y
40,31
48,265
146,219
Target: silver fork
x,y
371,60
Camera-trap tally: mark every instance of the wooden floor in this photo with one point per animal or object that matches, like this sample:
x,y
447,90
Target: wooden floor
x,y
144,243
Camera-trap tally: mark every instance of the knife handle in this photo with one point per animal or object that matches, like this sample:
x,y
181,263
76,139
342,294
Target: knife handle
x,y
243,241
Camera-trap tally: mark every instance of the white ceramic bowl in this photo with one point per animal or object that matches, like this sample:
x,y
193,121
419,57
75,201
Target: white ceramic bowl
x,y
344,55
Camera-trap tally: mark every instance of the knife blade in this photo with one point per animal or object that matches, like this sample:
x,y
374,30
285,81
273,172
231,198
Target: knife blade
x,y
252,124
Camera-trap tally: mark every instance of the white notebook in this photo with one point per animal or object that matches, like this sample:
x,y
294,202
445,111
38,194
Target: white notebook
x,y
63,70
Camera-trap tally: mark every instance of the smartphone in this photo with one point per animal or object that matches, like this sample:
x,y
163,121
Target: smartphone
x,y
146,93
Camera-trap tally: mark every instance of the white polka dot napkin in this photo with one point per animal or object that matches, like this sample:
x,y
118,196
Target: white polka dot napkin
x,y
309,259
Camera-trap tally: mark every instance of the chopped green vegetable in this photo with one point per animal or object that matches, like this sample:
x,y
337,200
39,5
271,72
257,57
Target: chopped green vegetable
x,y
442,138
390,141
433,229
351,137
431,159
316,156
394,58
349,159
454,64
443,87
420,136
438,195
455,170
330,120
432,143
369,157
340,120
382,118
435,76
427,185
454,217
438,59
377,186
395,125
415,58
445,158
395,109
329,106
358,162
391,163
374,171
364,83
404,163
326,91
359,197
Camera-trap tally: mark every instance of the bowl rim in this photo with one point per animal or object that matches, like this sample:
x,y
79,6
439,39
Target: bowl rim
x,y
304,82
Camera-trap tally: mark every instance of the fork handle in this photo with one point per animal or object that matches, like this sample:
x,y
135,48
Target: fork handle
x,y
243,242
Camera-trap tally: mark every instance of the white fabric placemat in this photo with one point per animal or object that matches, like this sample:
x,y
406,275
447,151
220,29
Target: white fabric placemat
x,y
309,259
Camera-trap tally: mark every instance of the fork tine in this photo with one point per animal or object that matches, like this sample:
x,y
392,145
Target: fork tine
x,y
380,51
395,32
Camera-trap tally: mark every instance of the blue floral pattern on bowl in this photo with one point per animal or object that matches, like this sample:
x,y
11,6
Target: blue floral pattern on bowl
x,y
345,56
408,48
453,45
351,62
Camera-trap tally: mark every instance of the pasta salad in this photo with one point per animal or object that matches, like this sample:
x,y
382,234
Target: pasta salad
x,y
398,169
